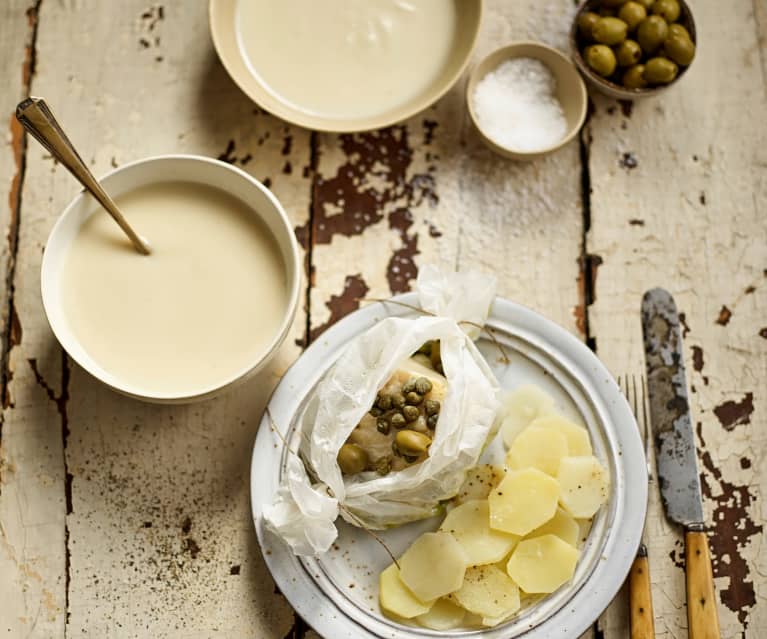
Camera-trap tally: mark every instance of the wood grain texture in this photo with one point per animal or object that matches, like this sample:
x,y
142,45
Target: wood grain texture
x,y
702,615
640,600
678,184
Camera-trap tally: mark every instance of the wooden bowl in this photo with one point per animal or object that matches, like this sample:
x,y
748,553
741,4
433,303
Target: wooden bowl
x,y
604,85
571,92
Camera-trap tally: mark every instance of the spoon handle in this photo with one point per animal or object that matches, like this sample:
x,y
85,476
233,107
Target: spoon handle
x,y
36,117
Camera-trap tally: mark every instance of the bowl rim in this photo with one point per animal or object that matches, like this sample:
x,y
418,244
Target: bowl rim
x,y
616,90
278,107
65,336
507,52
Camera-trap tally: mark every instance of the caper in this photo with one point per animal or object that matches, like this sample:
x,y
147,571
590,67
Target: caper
x,y
432,421
668,9
652,33
422,386
413,398
411,442
677,29
632,13
610,30
628,53
586,22
634,78
660,71
397,420
408,386
383,401
398,400
352,459
382,425
420,424
601,59
411,413
383,465
680,49
436,360
432,406
375,411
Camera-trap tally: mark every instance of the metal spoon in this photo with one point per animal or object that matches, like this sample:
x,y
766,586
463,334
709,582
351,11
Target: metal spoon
x,y
36,117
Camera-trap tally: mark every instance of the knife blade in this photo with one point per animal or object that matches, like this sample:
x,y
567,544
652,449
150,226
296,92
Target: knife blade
x,y
676,454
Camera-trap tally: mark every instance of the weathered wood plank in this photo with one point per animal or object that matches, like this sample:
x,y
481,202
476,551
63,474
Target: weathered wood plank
x,y
678,190
138,516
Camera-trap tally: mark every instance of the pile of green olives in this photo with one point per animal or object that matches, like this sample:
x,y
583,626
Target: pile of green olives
x,y
634,43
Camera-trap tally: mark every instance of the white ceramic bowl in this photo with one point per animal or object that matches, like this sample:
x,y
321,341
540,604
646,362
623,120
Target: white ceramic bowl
x,y
187,168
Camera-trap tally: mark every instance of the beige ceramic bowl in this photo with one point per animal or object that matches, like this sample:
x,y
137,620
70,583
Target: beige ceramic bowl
x,y
223,27
612,89
571,92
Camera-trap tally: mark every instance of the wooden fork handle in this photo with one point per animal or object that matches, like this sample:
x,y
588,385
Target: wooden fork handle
x,y
640,598
702,615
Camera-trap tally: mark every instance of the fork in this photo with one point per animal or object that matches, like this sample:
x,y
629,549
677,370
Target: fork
x,y
640,590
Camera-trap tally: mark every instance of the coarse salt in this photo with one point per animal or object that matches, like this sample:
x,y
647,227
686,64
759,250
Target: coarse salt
x,y
516,106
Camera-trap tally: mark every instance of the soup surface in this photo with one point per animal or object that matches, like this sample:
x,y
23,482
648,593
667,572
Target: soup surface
x,y
200,309
347,58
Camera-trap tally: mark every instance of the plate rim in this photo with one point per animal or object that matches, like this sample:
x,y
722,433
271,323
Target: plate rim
x,y
633,504
219,12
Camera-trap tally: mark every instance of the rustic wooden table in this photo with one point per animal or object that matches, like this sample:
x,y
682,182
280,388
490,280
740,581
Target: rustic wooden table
x,y
122,519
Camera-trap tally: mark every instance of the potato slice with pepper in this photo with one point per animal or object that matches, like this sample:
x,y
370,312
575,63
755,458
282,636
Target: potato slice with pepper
x,y
479,482
469,523
584,485
524,500
488,591
444,615
396,598
562,525
433,566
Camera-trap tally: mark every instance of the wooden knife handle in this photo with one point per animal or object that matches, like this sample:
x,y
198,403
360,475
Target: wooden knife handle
x,y
640,598
702,615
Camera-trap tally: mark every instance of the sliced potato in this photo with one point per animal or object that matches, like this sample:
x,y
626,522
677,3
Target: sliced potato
x,y
524,500
542,564
396,598
488,591
444,615
584,485
562,525
584,528
433,566
469,523
578,440
521,407
540,448
491,622
479,482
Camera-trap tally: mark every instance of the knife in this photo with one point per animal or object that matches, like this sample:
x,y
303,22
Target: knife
x,y
676,455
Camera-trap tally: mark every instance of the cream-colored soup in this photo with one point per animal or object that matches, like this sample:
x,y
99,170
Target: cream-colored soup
x,y
347,58
202,308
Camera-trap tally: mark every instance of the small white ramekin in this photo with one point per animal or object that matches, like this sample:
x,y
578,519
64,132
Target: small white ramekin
x,y
186,168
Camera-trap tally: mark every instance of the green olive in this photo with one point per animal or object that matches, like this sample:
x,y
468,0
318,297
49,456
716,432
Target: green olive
x,y
633,78
411,413
652,33
610,30
411,442
612,3
628,53
422,386
646,3
586,22
660,71
383,401
667,9
632,13
601,59
398,420
352,459
680,49
398,400
677,29
432,406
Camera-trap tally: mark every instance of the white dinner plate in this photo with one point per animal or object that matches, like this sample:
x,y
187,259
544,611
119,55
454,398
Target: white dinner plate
x,y
337,593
